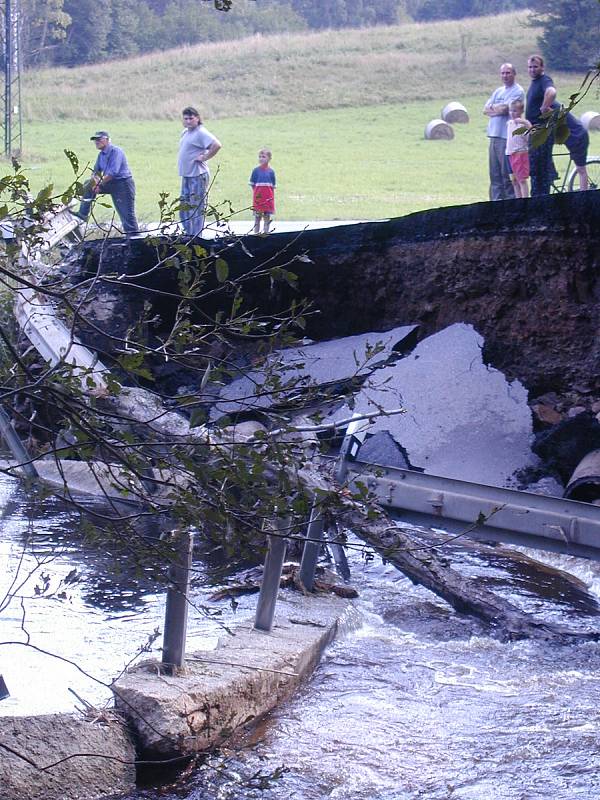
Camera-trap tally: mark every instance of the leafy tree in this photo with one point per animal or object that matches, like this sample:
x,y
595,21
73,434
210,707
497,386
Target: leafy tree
x,y
81,32
423,10
128,20
44,25
346,13
570,32
87,36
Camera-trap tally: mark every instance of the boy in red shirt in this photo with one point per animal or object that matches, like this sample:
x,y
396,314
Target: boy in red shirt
x,y
262,181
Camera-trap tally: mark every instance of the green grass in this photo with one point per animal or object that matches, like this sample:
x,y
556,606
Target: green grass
x,y
338,164
360,154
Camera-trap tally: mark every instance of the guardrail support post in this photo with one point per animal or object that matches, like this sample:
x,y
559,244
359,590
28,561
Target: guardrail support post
x,y
16,446
338,552
355,436
310,553
176,610
267,599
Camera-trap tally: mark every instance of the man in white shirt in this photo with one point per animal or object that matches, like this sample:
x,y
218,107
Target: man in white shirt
x,y
496,109
196,146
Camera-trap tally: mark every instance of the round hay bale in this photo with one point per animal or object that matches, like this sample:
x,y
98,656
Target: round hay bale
x,y
455,112
438,129
591,121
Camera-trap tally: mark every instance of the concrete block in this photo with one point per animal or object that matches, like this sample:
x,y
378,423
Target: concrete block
x,y
463,419
220,691
44,740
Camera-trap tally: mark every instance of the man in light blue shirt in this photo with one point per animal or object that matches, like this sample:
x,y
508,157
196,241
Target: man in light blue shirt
x,y
111,176
496,109
196,146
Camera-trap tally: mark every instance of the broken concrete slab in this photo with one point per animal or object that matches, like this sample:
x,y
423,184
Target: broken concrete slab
x,y
92,759
463,419
220,691
320,364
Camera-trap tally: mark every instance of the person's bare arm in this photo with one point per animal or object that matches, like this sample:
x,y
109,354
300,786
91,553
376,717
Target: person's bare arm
x,y
549,97
496,109
211,151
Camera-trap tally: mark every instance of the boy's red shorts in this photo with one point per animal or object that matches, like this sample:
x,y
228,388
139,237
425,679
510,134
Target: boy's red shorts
x,y
519,163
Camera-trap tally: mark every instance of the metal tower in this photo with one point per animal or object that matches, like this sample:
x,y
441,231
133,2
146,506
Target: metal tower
x,y
11,61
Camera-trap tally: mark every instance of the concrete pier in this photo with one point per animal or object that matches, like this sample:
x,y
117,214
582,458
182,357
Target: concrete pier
x,y
58,756
218,692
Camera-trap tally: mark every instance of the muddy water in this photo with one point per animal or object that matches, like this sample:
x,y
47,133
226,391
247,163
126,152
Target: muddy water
x,y
413,701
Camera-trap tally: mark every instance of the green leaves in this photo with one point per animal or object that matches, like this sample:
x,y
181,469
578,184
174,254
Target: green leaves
x,y
44,196
221,270
74,161
134,364
539,136
280,274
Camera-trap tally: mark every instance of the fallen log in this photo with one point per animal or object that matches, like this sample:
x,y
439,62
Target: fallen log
x,y
507,622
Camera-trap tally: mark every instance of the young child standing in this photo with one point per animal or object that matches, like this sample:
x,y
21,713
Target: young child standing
x,y
517,148
262,181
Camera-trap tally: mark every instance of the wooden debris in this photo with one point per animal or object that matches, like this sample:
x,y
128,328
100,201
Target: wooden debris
x,y
325,582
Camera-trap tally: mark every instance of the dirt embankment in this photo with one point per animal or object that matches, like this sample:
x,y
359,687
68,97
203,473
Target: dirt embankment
x,y
526,274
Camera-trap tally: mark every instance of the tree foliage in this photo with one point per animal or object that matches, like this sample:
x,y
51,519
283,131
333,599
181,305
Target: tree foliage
x,y
346,13
425,10
76,32
44,25
165,460
82,32
570,37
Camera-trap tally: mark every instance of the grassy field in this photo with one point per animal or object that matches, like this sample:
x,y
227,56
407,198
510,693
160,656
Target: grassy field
x,y
344,113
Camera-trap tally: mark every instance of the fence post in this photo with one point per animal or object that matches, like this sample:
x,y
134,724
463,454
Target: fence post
x,y
267,599
177,600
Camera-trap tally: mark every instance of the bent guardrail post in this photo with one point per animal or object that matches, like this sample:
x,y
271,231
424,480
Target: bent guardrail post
x,y
310,553
267,599
355,436
338,552
16,446
177,601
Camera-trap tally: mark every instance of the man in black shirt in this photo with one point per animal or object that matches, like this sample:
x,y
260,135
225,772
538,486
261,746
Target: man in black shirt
x,y
540,97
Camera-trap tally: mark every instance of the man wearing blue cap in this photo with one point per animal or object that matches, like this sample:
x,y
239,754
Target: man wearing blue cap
x,y
111,176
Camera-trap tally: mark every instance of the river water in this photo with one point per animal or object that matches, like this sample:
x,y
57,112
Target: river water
x,y
412,701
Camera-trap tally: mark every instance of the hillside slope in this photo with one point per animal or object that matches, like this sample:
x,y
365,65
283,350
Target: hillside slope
x,y
291,72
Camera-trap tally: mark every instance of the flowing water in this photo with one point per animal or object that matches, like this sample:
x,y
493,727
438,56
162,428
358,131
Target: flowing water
x,y
412,701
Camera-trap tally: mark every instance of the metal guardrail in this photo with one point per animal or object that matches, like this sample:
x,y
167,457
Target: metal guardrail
x,y
485,512
54,341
